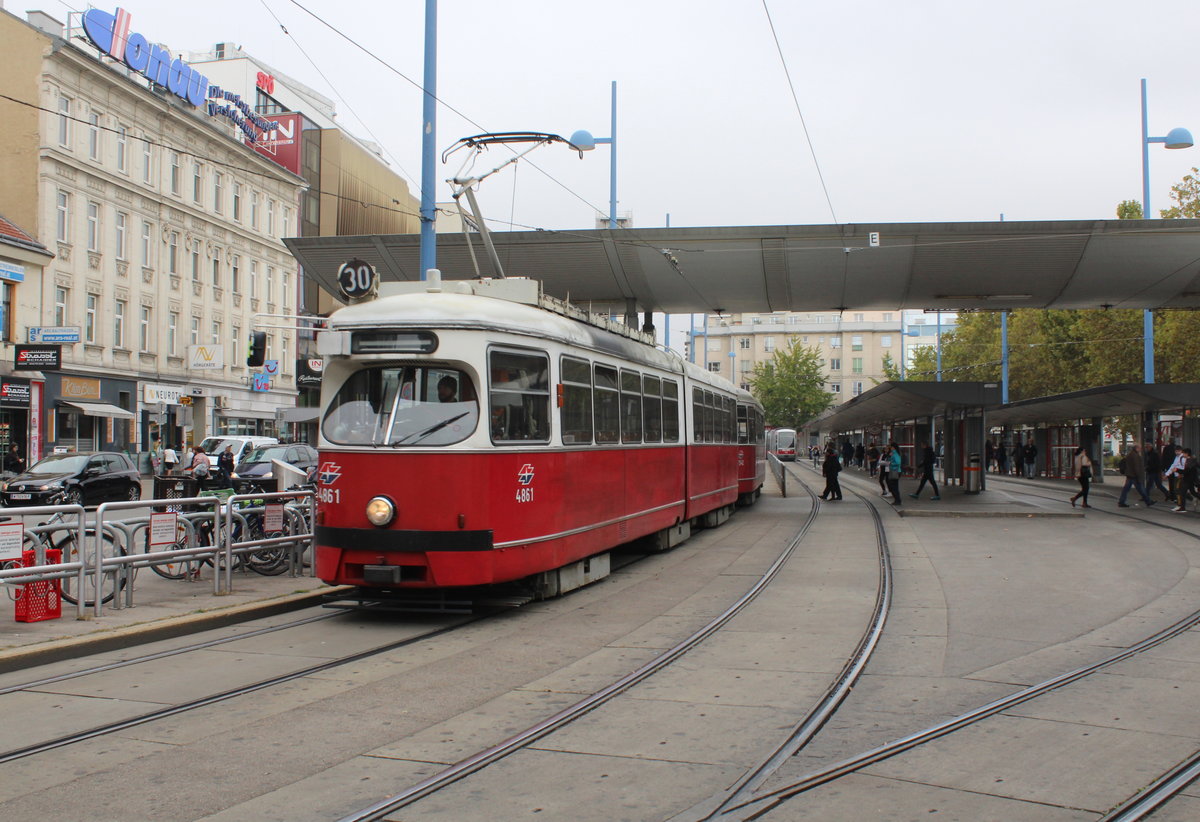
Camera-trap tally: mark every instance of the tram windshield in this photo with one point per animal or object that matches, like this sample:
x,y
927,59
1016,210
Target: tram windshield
x,y
403,405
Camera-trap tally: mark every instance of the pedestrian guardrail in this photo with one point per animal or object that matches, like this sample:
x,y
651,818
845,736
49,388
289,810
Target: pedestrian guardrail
x,y
779,472
101,552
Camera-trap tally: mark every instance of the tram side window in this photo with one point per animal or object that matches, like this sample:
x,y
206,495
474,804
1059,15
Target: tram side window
x,y
652,408
520,396
729,417
607,402
743,424
710,418
670,411
577,401
631,406
698,413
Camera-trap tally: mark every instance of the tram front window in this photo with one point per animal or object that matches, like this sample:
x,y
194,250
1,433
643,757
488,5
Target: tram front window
x,y
403,406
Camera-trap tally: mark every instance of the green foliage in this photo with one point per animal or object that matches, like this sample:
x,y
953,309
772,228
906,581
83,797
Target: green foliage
x,y
1186,194
791,385
1129,210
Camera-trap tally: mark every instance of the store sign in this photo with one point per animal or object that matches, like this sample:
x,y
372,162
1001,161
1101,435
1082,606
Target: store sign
x,y
283,143
110,33
167,394
54,334
206,357
38,357
15,393
262,382
308,372
265,81
12,272
238,111
80,388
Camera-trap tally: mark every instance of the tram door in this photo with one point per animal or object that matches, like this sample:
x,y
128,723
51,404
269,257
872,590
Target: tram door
x,y
1061,442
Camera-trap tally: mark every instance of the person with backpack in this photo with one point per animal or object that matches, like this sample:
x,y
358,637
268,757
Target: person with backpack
x,y
200,466
1183,474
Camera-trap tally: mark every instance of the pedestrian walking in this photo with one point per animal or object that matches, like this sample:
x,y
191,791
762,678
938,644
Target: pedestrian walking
x,y
928,460
1166,460
894,466
1082,464
1133,468
872,458
1018,457
830,468
1001,458
882,465
169,460
847,453
14,463
989,456
1030,458
859,454
1154,470
225,466
1184,475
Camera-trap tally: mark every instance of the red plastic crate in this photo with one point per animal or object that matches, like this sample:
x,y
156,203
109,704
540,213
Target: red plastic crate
x,y
37,601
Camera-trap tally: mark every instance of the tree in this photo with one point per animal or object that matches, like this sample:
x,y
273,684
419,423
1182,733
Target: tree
x,y
1186,194
1129,210
791,385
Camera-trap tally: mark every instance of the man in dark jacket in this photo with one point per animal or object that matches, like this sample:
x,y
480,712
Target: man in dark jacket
x,y
830,468
1154,470
927,463
1135,469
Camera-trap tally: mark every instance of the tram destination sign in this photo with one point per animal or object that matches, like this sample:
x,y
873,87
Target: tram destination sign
x,y
39,334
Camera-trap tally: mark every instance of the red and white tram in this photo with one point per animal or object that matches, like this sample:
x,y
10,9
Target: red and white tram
x,y
476,432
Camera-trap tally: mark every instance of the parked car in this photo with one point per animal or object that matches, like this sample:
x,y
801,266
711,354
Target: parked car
x,y
80,478
258,463
242,445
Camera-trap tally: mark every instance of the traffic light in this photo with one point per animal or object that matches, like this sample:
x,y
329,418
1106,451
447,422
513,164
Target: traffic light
x,y
257,353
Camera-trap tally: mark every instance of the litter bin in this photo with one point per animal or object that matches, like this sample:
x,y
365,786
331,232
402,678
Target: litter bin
x,y
973,475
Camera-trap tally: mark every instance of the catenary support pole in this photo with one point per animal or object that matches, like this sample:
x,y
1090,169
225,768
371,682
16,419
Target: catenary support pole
x,y
429,144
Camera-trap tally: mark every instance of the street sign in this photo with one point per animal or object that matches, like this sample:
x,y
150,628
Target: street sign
x,y
54,334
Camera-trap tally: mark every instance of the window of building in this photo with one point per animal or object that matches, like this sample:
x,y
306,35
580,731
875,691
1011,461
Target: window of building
x,y
217,192
63,225
254,210
804,339
887,317
835,341
176,171
122,146
94,136
144,329
121,222
253,279
746,366
147,246
93,226
198,183
172,332
60,305
234,270
235,345
147,160
119,324
857,388
89,318
270,227
287,289
835,364
237,202
715,366
885,340
835,387
195,330
216,333
856,365
6,311
714,345
858,318
64,121
270,284
768,343
196,261
216,271
173,252
744,343
286,228
856,342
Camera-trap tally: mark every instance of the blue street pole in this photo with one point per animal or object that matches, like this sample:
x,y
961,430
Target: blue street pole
x,y
939,346
1176,138
611,141
1004,357
429,144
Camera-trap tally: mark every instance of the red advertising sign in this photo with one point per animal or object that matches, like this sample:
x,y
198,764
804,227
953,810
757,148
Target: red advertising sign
x,y
283,144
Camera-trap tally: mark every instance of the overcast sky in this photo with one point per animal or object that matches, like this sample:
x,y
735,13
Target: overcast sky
x,y
918,111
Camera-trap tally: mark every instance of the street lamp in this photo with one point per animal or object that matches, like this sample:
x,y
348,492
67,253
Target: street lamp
x,y
1176,138
586,142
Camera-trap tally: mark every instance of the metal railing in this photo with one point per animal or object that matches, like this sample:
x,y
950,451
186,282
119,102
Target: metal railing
x,y
225,524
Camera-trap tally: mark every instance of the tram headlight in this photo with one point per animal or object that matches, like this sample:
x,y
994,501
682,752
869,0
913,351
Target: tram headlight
x,y
381,511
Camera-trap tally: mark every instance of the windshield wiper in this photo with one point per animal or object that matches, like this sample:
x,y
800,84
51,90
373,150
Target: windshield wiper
x,y
420,435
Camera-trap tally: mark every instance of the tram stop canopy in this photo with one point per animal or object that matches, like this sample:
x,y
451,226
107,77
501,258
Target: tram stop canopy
x,y
1103,401
891,402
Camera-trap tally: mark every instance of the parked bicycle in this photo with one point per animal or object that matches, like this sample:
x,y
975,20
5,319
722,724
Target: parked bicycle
x,y
55,532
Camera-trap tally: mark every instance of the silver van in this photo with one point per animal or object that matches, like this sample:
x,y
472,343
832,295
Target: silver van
x,y
242,445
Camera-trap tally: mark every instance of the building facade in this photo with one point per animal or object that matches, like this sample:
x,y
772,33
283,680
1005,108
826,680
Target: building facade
x,y
165,229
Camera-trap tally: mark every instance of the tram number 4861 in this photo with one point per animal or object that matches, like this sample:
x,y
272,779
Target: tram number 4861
x,y
329,496
524,495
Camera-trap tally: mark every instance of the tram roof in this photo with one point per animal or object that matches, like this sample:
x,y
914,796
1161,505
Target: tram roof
x,y
946,266
1103,401
897,401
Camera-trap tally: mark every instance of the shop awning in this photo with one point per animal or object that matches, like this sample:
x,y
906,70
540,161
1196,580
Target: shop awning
x,y
99,409
299,414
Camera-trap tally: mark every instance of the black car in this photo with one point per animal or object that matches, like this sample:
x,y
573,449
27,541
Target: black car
x,y
80,478
258,465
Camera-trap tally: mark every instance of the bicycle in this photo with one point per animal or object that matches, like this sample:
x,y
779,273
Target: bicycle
x,y
45,534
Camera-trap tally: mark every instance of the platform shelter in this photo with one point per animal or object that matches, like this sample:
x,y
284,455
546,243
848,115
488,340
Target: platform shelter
x,y
1061,422
952,416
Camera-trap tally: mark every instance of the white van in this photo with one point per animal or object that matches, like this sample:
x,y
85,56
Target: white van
x,y
242,445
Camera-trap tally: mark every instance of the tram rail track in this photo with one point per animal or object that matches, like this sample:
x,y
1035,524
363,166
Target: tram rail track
x,y
801,733
1139,805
